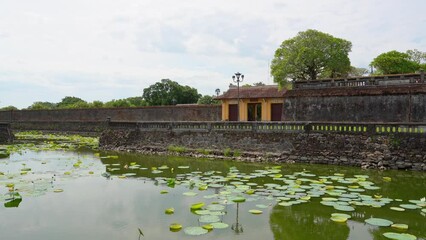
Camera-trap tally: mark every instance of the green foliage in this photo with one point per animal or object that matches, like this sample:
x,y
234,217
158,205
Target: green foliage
x,y
206,99
72,102
394,62
203,151
227,152
168,92
8,108
178,149
42,105
237,153
309,55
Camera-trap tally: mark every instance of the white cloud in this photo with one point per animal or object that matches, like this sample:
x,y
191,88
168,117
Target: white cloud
x,y
112,49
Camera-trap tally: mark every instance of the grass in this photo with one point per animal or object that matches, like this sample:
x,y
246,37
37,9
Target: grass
x,y
178,149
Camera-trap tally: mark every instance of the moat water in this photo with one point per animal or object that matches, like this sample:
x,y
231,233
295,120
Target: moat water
x,y
105,195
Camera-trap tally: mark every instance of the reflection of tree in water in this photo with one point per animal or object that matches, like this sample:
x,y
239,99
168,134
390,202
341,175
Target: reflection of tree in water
x,y
305,222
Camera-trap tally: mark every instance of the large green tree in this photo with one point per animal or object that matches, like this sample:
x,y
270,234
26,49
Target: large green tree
x,y
311,55
42,105
395,62
168,92
72,102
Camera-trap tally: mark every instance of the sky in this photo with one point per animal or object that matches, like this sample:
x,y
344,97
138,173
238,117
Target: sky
x,y
109,49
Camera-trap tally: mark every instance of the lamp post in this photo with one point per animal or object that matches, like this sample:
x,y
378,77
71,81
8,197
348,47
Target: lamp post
x,y
238,77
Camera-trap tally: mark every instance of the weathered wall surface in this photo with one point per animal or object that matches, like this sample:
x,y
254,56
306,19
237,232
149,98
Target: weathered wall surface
x,y
372,104
94,120
163,113
6,135
401,151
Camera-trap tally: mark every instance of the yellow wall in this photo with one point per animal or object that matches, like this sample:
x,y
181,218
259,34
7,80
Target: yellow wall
x,y
243,111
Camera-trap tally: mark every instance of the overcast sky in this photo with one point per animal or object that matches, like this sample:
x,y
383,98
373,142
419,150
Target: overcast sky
x,y
110,49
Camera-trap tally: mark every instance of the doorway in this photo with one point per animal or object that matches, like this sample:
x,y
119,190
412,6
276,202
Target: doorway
x,y
276,111
254,112
233,112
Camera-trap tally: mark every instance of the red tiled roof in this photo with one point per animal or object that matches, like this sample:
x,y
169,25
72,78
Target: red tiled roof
x,y
269,91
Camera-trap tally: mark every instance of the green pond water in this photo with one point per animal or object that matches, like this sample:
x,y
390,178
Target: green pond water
x,y
58,194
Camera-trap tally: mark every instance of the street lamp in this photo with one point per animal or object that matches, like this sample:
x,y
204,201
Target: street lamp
x,y
238,77
217,92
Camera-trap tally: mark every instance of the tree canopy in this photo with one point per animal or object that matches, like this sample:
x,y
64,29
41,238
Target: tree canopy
x,y
394,62
310,55
207,99
168,92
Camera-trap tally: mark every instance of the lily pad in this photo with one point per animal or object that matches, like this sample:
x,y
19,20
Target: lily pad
x,y
197,206
341,215
175,227
215,207
399,236
255,211
190,194
208,227
338,219
219,225
400,226
398,209
209,219
169,211
379,222
238,199
409,206
344,208
195,231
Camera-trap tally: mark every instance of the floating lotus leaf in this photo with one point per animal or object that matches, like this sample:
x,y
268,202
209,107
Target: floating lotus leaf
x,y
209,219
397,209
164,191
215,207
285,204
190,194
238,199
328,203
409,206
400,226
169,211
196,206
399,236
424,210
379,222
208,227
195,231
255,211
219,225
341,215
338,219
58,190
202,212
344,208
217,213
156,171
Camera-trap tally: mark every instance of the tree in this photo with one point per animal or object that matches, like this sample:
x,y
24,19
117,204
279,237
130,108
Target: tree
x,y
8,108
310,55
207,99
168,92
72,102
394,62
42,105
357,72
417,56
